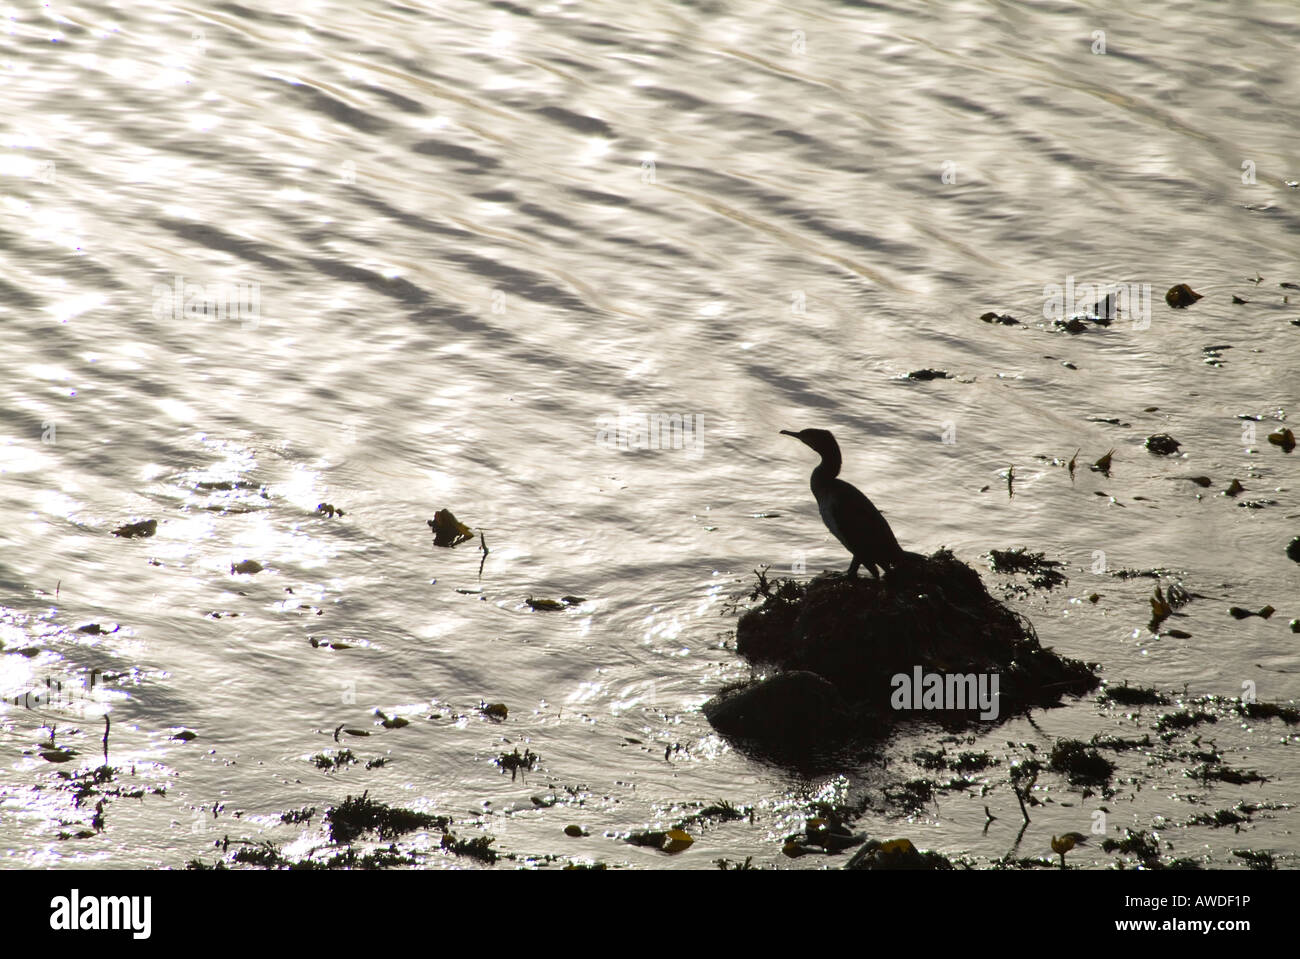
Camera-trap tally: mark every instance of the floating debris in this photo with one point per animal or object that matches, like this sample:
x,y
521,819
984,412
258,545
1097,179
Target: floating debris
x,y
1082,765
1005,319
1127,695
574,832
545,604
1162,444
353,817
447,530
514,761
1236,612
1293,549
1238,300
497,711
1073,460
247,567
1043,571
928,374
1073,325
1103,465
1214,354
1283,438
329,509
572,600
146,527
1181,296
391,722
1161,610
1201,481
1234,488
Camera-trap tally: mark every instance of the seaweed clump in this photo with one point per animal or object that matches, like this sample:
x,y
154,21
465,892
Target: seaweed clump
x,y
842,648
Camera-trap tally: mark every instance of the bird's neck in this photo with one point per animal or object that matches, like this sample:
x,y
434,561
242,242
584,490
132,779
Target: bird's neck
x,y
827,469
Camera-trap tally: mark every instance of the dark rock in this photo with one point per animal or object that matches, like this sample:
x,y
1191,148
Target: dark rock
x,y
1181,296
856,638
1162,444
797,710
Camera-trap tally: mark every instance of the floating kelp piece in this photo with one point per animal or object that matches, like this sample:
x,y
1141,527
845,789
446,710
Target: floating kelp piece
x,y
185,735
1162,444
1201,481
928,374
1160,610
1238,300
1042,571
1234,488
1236,612
247,568
329,509
516,761
1181,296
1081,764
447,530
146,527
572,600
497,711
1283,438
1074,325
1104,311
94,629
1005,319
544,604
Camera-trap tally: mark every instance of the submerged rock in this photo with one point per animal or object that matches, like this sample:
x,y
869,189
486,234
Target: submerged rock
x,y
1181,296
1162,444
856,656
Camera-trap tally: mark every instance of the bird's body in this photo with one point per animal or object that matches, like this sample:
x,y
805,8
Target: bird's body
x,y
846,511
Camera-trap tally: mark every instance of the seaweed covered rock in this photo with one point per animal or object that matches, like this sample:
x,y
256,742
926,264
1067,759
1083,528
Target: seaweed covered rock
x,y
767,709
926,642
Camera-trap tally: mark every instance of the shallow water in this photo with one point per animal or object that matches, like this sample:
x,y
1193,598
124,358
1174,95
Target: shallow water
x,y
466,238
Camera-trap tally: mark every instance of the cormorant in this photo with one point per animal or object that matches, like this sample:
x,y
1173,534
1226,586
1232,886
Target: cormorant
x,y
846,511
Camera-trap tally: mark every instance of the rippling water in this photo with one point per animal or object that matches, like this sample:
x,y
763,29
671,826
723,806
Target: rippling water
x,y
400,258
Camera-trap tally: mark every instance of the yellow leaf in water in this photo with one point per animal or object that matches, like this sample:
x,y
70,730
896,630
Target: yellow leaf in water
x,y
675,840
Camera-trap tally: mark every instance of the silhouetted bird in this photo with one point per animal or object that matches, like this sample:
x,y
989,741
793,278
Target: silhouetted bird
x,y
846,511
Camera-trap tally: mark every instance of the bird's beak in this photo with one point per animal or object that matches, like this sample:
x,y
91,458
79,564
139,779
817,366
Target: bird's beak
x,y
790,433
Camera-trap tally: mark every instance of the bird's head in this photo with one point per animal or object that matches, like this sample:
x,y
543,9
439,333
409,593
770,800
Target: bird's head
x,y
820,440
